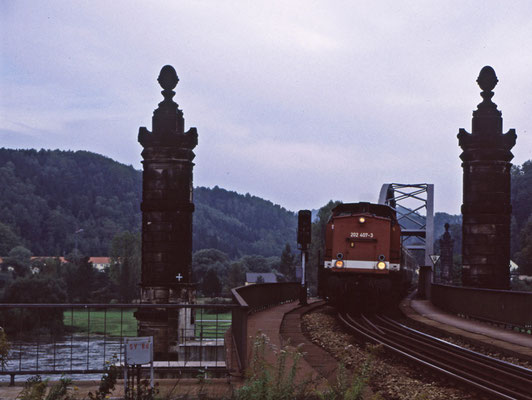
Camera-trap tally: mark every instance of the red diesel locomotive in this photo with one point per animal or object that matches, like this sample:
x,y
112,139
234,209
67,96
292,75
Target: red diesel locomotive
x,y
364,267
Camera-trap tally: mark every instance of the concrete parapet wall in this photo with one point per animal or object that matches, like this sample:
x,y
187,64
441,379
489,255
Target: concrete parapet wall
x,y
264,295
254,298
504,306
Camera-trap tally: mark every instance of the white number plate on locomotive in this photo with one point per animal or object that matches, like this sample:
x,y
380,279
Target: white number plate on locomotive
x,y
365,235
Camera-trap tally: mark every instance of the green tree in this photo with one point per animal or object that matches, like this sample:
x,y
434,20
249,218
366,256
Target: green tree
x,y
287,265
210,259
524,255
33,290
8,239
84,283
210,284
521,210
256,263
236,276
48,266
125,270
19,258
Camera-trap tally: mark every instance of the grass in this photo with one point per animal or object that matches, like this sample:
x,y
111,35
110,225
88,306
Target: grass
x,y
206,324
109,322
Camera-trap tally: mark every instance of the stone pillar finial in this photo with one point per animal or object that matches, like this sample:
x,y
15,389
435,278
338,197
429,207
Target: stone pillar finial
x,y
487,80
486,207
168,80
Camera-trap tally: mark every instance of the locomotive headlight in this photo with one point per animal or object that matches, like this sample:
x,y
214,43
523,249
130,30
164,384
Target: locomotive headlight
x,y
381,265
362,220
339,264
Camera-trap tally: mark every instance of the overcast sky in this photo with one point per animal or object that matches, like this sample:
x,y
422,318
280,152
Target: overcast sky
x,y
297,102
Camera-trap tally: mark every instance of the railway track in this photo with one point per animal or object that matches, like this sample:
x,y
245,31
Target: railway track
x,y
486,374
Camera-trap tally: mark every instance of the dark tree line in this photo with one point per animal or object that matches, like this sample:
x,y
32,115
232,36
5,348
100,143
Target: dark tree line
x,y
53,202
240,225
48,280
71,203
216,273
522,217
521,228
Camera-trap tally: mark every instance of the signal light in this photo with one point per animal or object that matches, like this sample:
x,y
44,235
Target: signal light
x,y
304,228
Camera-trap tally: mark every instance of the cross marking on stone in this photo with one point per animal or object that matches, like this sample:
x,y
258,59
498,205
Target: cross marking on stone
x,y
179,277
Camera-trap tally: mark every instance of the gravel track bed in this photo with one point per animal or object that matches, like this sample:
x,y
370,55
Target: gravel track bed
x,y
391,377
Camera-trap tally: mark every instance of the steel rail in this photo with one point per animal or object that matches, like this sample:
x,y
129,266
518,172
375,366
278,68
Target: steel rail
x,y
444,363
438,351
486,386
501,364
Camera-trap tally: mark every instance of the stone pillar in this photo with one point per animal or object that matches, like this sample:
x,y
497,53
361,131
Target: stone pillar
x,y
486,207
446,256
166,220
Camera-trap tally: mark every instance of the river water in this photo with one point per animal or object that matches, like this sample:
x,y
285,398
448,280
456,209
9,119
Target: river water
x,y
66,354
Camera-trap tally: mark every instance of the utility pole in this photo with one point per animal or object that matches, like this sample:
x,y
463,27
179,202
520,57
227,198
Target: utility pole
x,y
304,228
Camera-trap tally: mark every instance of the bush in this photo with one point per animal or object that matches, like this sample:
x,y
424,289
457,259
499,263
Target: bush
x,y
35,389
271,382
5,346
33,290
276,382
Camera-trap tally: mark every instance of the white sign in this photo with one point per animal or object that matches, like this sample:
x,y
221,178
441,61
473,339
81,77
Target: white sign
x,y
139,350
434,258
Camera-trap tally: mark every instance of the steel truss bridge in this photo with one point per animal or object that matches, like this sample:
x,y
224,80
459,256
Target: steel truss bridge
x,y
414,205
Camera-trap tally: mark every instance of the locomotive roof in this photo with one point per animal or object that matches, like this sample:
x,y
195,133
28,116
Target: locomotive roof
x,y
381,210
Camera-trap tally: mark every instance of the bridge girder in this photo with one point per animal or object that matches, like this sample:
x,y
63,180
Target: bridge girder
x,y
419,196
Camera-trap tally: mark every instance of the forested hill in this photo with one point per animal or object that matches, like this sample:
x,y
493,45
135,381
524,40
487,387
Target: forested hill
x,y
50,200
238,224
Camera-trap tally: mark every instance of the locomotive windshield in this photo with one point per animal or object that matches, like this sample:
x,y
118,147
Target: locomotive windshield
x,y
347,209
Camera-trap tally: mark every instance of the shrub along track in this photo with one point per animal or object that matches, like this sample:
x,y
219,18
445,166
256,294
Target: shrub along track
x,y
484,374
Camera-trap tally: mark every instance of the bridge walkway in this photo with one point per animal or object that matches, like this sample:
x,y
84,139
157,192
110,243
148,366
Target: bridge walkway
x,y
512,343
282,326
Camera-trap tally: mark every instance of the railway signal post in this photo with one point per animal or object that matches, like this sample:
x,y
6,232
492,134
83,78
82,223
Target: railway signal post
x,y
304,228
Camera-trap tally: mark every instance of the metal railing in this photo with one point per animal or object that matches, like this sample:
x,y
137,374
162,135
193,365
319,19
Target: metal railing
x,y
81,339
253,298
504,307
